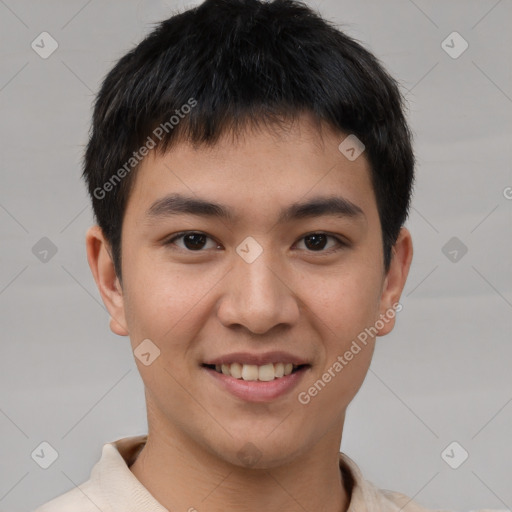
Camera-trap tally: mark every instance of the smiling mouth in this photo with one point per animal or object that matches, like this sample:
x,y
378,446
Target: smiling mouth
x,y
252,372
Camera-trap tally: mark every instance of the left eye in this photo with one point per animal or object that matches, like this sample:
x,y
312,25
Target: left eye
x,y
195,241
318,241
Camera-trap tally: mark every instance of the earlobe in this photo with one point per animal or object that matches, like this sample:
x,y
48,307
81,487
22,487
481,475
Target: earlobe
x,y
102,267
394,282
117,328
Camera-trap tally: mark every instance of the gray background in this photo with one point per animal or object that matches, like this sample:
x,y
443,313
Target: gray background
x,y
442,375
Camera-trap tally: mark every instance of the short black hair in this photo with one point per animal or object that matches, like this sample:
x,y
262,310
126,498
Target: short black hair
x,y
223,64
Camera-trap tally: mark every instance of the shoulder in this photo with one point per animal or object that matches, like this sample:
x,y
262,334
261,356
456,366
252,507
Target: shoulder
x,y
79,499
365,496
110,486
405,503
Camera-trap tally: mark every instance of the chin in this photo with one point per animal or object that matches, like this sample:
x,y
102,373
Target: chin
x,y
259,452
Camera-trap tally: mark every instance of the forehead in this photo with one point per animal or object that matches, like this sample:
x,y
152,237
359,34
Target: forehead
x,y
255,172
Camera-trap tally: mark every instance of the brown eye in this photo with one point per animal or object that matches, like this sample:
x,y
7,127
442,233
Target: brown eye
x,y
317,242
192,241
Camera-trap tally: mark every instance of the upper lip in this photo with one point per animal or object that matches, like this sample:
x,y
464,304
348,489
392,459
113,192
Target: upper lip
x,y
257,359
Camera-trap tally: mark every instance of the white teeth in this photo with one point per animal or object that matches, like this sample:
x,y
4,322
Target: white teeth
x,y
250,372
266,372
236,370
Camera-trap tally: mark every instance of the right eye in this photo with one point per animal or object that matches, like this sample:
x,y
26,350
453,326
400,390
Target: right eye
x,y
193,241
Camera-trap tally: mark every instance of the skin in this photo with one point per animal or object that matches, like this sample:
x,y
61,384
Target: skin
x,y
199,305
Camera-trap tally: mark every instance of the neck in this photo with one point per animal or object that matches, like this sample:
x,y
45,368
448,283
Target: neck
x,y
181,475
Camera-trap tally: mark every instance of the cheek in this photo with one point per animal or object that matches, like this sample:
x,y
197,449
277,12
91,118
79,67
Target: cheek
x,y
334,389
345,303
345,318
167,302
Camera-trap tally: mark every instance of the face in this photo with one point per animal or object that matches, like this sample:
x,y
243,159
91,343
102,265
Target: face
x,y
283,281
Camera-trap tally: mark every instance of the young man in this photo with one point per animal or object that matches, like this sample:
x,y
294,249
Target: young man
x,y
250,169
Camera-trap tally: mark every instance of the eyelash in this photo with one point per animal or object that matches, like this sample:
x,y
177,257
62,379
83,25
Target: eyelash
x,y
341,243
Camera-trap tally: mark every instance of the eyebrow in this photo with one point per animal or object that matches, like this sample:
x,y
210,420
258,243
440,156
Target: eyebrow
x,y
177,204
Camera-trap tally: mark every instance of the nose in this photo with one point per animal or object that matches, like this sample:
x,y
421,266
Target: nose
x,y
258,296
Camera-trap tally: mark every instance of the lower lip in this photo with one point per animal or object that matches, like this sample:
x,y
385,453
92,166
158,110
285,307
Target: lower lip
x,y
255,390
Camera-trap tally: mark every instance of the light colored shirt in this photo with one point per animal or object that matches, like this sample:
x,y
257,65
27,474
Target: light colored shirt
x,y
112,487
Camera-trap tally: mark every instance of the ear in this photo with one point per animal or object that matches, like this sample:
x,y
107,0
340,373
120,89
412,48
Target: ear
x,y
102,268
401,257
